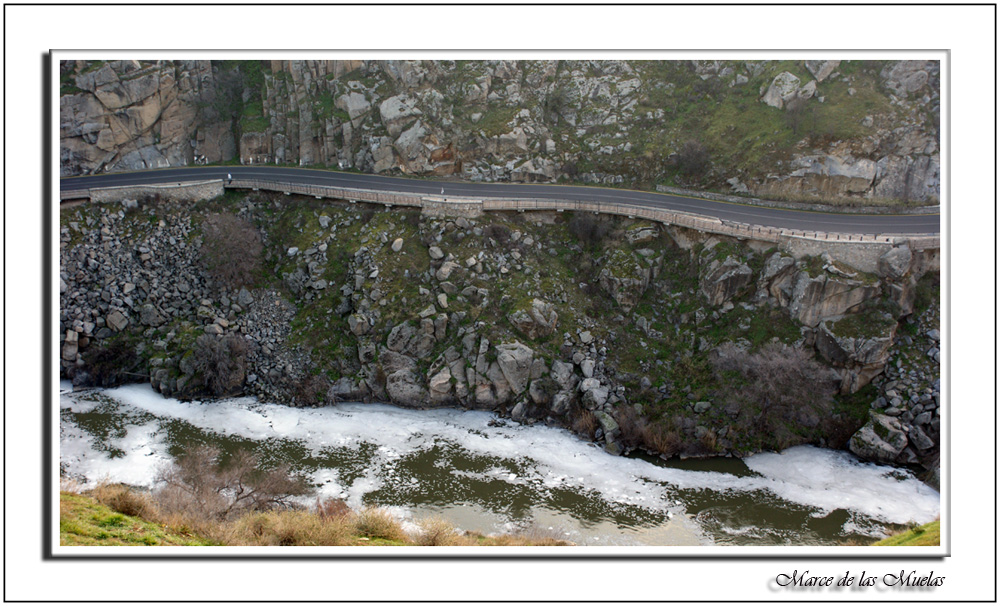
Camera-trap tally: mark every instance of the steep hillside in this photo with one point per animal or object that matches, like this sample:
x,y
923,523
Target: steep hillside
x,y
830,130
633,333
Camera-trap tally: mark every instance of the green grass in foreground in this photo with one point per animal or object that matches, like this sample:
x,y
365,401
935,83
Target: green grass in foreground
x,y
921,536
84,521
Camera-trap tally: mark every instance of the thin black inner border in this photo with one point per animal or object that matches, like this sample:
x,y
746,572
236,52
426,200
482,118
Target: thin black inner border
x,y
48,342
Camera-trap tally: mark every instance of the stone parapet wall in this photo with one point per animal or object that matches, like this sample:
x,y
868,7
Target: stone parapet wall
x,y
181,192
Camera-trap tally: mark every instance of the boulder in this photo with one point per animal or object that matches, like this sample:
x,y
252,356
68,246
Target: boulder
x,y
725,281
895,263
782,89
881,440
562,374
404,388
397,245
815,299
537,322
821,70
149,316
440,385
399,337
859,358
358,324
514,360
117,321
447,268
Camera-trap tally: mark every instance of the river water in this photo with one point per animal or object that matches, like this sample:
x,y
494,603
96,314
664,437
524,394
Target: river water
x,y
493,475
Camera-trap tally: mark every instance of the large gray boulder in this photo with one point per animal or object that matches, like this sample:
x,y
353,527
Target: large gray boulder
x,y
725,281
895,263
117,321
404,388
537,321
816,299
881,440
514,360
821,70
400,337
782,89
859,357
149,316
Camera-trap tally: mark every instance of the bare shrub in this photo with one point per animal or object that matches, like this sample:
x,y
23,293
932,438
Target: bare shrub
x,y
113,363
329,509
438,532
630,426
588,228
585,423
776,387
378,524
657,438
311,390
231,250
199,483
693,158
124,500
221,363
500,234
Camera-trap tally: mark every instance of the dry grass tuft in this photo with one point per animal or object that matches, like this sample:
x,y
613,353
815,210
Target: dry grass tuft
x,y
288,529
585,423
378,524
125,500
438,532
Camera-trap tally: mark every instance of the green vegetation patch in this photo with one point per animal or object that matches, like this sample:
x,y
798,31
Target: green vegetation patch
x,y
927,535
83,521
867,324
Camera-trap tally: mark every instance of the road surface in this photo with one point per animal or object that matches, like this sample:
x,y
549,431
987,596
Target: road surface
x,y
846,223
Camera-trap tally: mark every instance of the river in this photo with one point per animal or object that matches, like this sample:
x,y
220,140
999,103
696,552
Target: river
x,y
493,475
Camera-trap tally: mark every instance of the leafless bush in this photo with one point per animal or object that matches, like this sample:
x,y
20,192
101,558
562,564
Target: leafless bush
x,y
311,390
630,426
201,485
500,234
774,386
231,250
221,362
657,438
693,158
329,509
112,363
588,228
585,423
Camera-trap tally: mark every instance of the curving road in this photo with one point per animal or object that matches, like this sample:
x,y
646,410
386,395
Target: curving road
x,y
727,211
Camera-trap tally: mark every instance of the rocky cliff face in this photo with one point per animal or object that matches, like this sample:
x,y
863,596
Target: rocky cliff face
x,y
609,326
814,129
132,115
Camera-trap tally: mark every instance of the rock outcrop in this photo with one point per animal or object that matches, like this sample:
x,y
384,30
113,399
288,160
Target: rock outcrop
x,y
520,121
497,313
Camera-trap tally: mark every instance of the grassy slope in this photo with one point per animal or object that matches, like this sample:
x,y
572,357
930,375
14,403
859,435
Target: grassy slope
x,y
85,522
922,536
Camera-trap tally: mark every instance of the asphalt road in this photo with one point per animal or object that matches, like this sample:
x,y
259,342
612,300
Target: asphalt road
x,y
754,215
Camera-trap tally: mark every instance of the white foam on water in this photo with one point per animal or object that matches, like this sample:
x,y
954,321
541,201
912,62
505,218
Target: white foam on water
x,y
543,457
829,480
145,454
